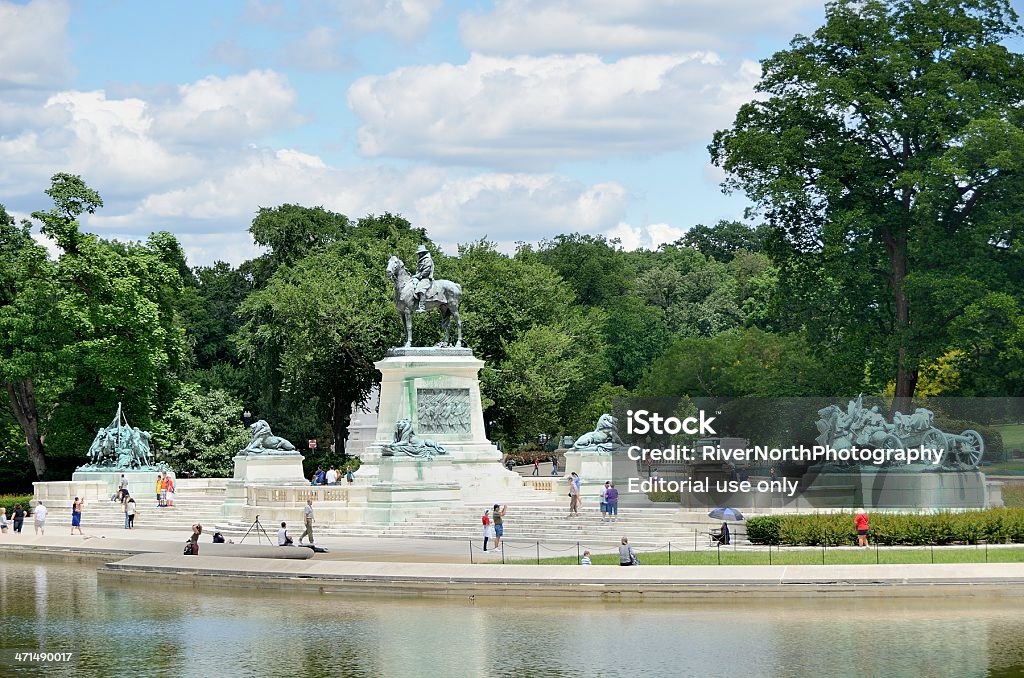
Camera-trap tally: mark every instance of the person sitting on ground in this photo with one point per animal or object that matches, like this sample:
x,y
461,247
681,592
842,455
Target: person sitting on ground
x,y
585,560
218,538
197,530
627,556
282,536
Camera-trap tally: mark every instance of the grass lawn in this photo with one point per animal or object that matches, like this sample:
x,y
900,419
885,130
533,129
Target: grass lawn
x,y
868,556
1013,436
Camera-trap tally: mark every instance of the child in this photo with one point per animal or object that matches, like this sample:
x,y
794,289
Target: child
x,y
3,520
586,558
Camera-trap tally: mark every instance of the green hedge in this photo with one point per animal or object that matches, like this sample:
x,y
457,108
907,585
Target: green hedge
x,y
837,529
9,500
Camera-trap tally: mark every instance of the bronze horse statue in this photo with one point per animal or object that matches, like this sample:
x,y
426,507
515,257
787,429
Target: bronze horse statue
x,y
443,294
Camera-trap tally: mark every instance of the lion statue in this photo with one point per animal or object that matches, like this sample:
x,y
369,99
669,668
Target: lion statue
x,y
407,443
265,442
604,437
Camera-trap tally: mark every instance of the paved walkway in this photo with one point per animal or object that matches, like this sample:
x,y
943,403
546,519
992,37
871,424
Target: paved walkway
x,y
440,568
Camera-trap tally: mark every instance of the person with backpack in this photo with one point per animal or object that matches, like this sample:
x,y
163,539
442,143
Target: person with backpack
x,y
19,517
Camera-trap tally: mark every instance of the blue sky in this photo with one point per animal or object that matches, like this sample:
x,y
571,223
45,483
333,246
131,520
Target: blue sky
x,y
511,120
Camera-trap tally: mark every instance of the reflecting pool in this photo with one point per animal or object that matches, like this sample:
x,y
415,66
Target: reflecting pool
x,y
177,631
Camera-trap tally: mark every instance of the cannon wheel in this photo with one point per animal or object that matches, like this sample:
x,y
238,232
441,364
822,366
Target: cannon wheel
x,y
934,439
893,442
971,448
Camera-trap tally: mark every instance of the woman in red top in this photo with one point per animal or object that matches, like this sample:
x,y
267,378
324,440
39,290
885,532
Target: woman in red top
x,y
860,520
488,528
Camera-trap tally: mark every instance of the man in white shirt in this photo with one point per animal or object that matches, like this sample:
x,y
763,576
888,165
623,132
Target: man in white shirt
x,y
332,476
40,518
282,535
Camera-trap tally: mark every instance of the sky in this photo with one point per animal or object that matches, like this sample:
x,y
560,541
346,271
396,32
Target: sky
x,y
511,120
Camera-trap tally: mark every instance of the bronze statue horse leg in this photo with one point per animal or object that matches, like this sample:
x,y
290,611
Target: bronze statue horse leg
x,y
458,324
446,320
407,317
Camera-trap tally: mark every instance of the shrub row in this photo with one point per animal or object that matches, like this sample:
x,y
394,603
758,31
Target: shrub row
x,y
9,500
996,526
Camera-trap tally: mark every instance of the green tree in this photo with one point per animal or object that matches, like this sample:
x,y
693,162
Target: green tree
x,y
723,240
886,137
202,431
593,267
741,362
91,329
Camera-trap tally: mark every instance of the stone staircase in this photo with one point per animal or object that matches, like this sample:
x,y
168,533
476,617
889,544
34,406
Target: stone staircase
x,y
542,520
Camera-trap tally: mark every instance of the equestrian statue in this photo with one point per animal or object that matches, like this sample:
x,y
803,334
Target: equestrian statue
x,y
419,292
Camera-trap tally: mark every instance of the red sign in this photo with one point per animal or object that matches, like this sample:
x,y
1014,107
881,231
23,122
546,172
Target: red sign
x,y
312,444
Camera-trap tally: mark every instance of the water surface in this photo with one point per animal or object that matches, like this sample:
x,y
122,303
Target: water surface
x,y
130,630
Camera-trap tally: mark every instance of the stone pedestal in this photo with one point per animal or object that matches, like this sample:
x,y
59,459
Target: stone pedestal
x,y
593,468
260,469
408,485
140,483
899,490
438,390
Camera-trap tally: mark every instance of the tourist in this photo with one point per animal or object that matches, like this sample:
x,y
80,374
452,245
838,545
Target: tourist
x,y
536,466
574,495
124,507
159,489
192,545
612,499
604,500
488,528
122,488
129,513
348,476
169,487
627,556
723,535
39,518
76,515
499,526
3,520
554,466
585,560
282,536
307,511
19,518
860,521
332,476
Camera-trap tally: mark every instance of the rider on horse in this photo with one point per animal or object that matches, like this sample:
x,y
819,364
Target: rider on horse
x,y
424,276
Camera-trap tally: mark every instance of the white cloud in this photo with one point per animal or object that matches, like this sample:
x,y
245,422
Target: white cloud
x,y
404,19
648,237
454,208
34,49
528,112
627,26
319,49
228,109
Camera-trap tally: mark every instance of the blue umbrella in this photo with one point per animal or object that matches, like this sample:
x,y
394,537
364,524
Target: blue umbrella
x,y
726,514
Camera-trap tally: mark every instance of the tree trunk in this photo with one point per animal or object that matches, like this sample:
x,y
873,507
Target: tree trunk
x,y
906,366
22,396
341,417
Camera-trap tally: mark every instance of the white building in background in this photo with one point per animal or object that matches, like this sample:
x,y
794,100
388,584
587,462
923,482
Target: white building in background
x,y
363,426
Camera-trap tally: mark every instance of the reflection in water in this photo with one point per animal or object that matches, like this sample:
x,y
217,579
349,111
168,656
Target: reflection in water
x,y
139,630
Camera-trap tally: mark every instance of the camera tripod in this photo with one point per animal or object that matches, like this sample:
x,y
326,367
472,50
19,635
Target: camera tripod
x,y
259,530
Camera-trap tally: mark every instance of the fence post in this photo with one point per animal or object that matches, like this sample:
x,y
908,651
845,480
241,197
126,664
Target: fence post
x,y
718,548
670,553
502,553
824,545
931,548
538,553
769,551
470,551
577,553
986,550
876,552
